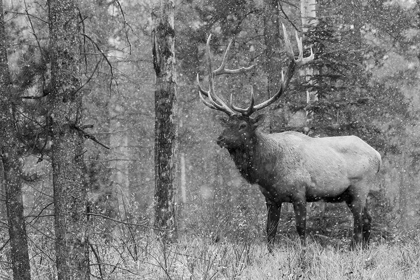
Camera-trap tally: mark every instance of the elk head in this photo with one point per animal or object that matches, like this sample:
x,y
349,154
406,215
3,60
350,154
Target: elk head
x,y
238,131
240,126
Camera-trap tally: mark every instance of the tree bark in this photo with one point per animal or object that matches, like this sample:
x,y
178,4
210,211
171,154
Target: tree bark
x,y
165,126
3,211
272,48
308,16
72,255
12,168
119,168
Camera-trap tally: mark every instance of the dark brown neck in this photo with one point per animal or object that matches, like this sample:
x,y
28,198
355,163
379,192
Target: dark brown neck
x,y
256,159
244,158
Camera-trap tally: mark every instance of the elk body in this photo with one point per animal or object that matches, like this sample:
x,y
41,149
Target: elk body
x,y
293,167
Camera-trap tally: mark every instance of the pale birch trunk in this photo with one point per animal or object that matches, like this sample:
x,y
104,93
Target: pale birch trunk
x,y
272,50
308,16
119,158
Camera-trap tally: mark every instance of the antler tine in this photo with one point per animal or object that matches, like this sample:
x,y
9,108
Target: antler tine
x,y
201,90
248,111
222,70
208,104
301,60
213,101
294,63
251,108
289,49
308,59
288,45
273,98
300,46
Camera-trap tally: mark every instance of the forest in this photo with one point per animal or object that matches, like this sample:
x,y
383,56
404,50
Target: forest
x,y
110,167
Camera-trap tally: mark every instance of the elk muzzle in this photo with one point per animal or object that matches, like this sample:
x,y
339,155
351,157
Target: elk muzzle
x,y
221,141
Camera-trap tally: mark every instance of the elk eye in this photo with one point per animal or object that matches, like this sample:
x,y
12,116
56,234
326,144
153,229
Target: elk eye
x,y
242,126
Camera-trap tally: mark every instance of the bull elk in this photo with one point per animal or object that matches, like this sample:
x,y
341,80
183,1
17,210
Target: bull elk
x,y
290,166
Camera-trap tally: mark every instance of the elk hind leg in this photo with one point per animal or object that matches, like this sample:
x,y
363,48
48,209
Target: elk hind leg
x,y
273,218
356,206
300,214
367,220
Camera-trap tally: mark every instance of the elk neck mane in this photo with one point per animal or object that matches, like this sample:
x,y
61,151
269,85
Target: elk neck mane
x,y
260,150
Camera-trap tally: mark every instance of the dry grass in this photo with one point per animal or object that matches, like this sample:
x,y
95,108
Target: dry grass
x,y
197,258
200,259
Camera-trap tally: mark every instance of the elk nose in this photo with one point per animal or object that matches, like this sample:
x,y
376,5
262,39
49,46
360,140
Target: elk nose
x,y
220,141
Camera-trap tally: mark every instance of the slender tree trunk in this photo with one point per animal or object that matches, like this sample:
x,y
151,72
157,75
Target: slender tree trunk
x,y
12,168
165,127
272,49
14,204
3,211
308,16
403,190
182,198
72,255
119,167
183,179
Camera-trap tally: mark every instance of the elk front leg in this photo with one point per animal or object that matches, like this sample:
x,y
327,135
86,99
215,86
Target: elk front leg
x,y
300,215
273,217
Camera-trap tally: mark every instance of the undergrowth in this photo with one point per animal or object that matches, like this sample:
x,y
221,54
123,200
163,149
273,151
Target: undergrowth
x,y
201,258
198,258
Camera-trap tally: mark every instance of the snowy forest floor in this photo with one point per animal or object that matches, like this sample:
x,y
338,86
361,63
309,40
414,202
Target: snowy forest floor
x,y
198,258
202,259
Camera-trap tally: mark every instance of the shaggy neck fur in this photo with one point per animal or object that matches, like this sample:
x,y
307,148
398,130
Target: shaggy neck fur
x,y
254,156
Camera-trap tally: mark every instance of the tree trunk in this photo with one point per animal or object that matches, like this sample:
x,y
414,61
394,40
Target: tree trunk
x,y
165,127
72,255
308,17
272,49
182,199
403,190
120,166
3,211
308,14
12,168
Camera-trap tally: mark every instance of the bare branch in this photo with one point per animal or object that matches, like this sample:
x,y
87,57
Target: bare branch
x,y
103,55
32,27
125,23
125,223
98,259
89,78
89,136
4,245
39,213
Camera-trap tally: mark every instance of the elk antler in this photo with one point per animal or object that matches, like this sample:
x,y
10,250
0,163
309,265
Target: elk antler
x,y
285,79
213,100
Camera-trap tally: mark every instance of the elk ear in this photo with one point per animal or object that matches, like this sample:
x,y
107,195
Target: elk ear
x,y
258,120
